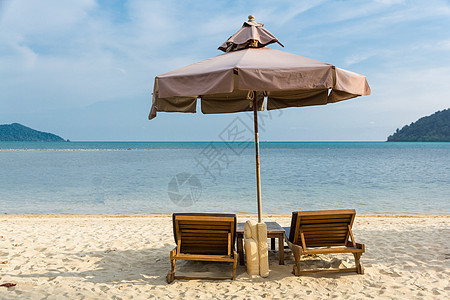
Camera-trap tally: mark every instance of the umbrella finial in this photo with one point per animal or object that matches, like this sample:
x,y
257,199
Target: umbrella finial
x,y
251,35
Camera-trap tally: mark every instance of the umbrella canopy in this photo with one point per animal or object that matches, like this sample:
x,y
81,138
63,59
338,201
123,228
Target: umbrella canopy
x,y
246,74
222,82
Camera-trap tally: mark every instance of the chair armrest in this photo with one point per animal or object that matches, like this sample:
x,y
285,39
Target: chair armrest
x,y
173,253
361,246
296,249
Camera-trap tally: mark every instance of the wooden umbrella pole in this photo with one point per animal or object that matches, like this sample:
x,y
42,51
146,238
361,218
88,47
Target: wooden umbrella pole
x,y
258,177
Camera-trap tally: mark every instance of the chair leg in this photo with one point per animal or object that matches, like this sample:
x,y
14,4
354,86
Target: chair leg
x,y
297,257
169,278
361,268
171,275
358,264
296,269
234,265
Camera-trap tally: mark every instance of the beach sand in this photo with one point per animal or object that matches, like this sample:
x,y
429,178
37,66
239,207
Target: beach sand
x,y
127,257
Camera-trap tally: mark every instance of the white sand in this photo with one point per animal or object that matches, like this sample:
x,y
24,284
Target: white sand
x,y
103,257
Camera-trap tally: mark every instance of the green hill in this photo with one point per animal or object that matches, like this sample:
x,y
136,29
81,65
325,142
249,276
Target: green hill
x,y
16,132
434,128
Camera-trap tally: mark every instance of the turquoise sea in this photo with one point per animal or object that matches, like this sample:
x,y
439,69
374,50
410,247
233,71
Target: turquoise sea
x,y
166,177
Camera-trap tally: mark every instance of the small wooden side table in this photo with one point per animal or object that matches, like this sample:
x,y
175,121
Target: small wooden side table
x,y
274,231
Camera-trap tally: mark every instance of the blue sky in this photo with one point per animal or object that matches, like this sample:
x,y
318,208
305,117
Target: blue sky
x,y
84,69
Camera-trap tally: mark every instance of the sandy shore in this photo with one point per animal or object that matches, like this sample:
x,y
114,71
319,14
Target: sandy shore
x,y
124,257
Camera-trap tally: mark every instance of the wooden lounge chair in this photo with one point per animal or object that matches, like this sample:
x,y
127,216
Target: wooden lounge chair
x,y
203,237
323,232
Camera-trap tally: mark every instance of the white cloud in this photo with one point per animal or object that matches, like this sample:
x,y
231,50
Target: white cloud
x,y
444,45
390,2
28,17
293,10
28,57
410,90
358,57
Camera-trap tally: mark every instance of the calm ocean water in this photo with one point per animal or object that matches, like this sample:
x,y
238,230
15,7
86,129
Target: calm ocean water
x,y
166,177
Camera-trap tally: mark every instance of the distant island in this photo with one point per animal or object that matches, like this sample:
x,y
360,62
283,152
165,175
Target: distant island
x,y
16,132
434,128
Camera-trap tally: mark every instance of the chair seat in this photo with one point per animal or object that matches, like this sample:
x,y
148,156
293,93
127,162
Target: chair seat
x,y
205,257
332,250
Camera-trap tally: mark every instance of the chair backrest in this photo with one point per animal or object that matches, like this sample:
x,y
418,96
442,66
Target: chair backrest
x,y
322,228
203,233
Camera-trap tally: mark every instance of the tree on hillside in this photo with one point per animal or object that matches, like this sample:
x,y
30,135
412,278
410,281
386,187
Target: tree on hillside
x,y
434,128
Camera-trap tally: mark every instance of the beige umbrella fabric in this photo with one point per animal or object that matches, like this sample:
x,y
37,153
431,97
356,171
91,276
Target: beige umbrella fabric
x,y
248,72
222,83
251,33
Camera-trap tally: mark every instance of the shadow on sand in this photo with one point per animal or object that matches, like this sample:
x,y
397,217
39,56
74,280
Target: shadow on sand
x,y
150,267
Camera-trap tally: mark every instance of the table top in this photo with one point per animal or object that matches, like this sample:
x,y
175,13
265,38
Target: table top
x,y
272,227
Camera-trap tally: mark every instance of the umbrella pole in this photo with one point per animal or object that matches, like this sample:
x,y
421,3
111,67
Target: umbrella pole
x,y
258,177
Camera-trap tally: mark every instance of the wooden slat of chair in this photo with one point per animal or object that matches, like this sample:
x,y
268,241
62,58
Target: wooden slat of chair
x,y
203,226
201,277
204,231
205,245
192,248
327,212
328,234
316,227
205,257
332,215
204,218
223,222
325,237
332,250
324,221
340,240
202,250
324,231
215,240
324,242
346,270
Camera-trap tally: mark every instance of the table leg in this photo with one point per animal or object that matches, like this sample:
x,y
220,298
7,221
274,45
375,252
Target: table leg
x,y
240,248
272,244
281,248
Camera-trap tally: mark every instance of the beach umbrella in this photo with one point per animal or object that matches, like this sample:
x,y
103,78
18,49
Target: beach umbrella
x,y
246,74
